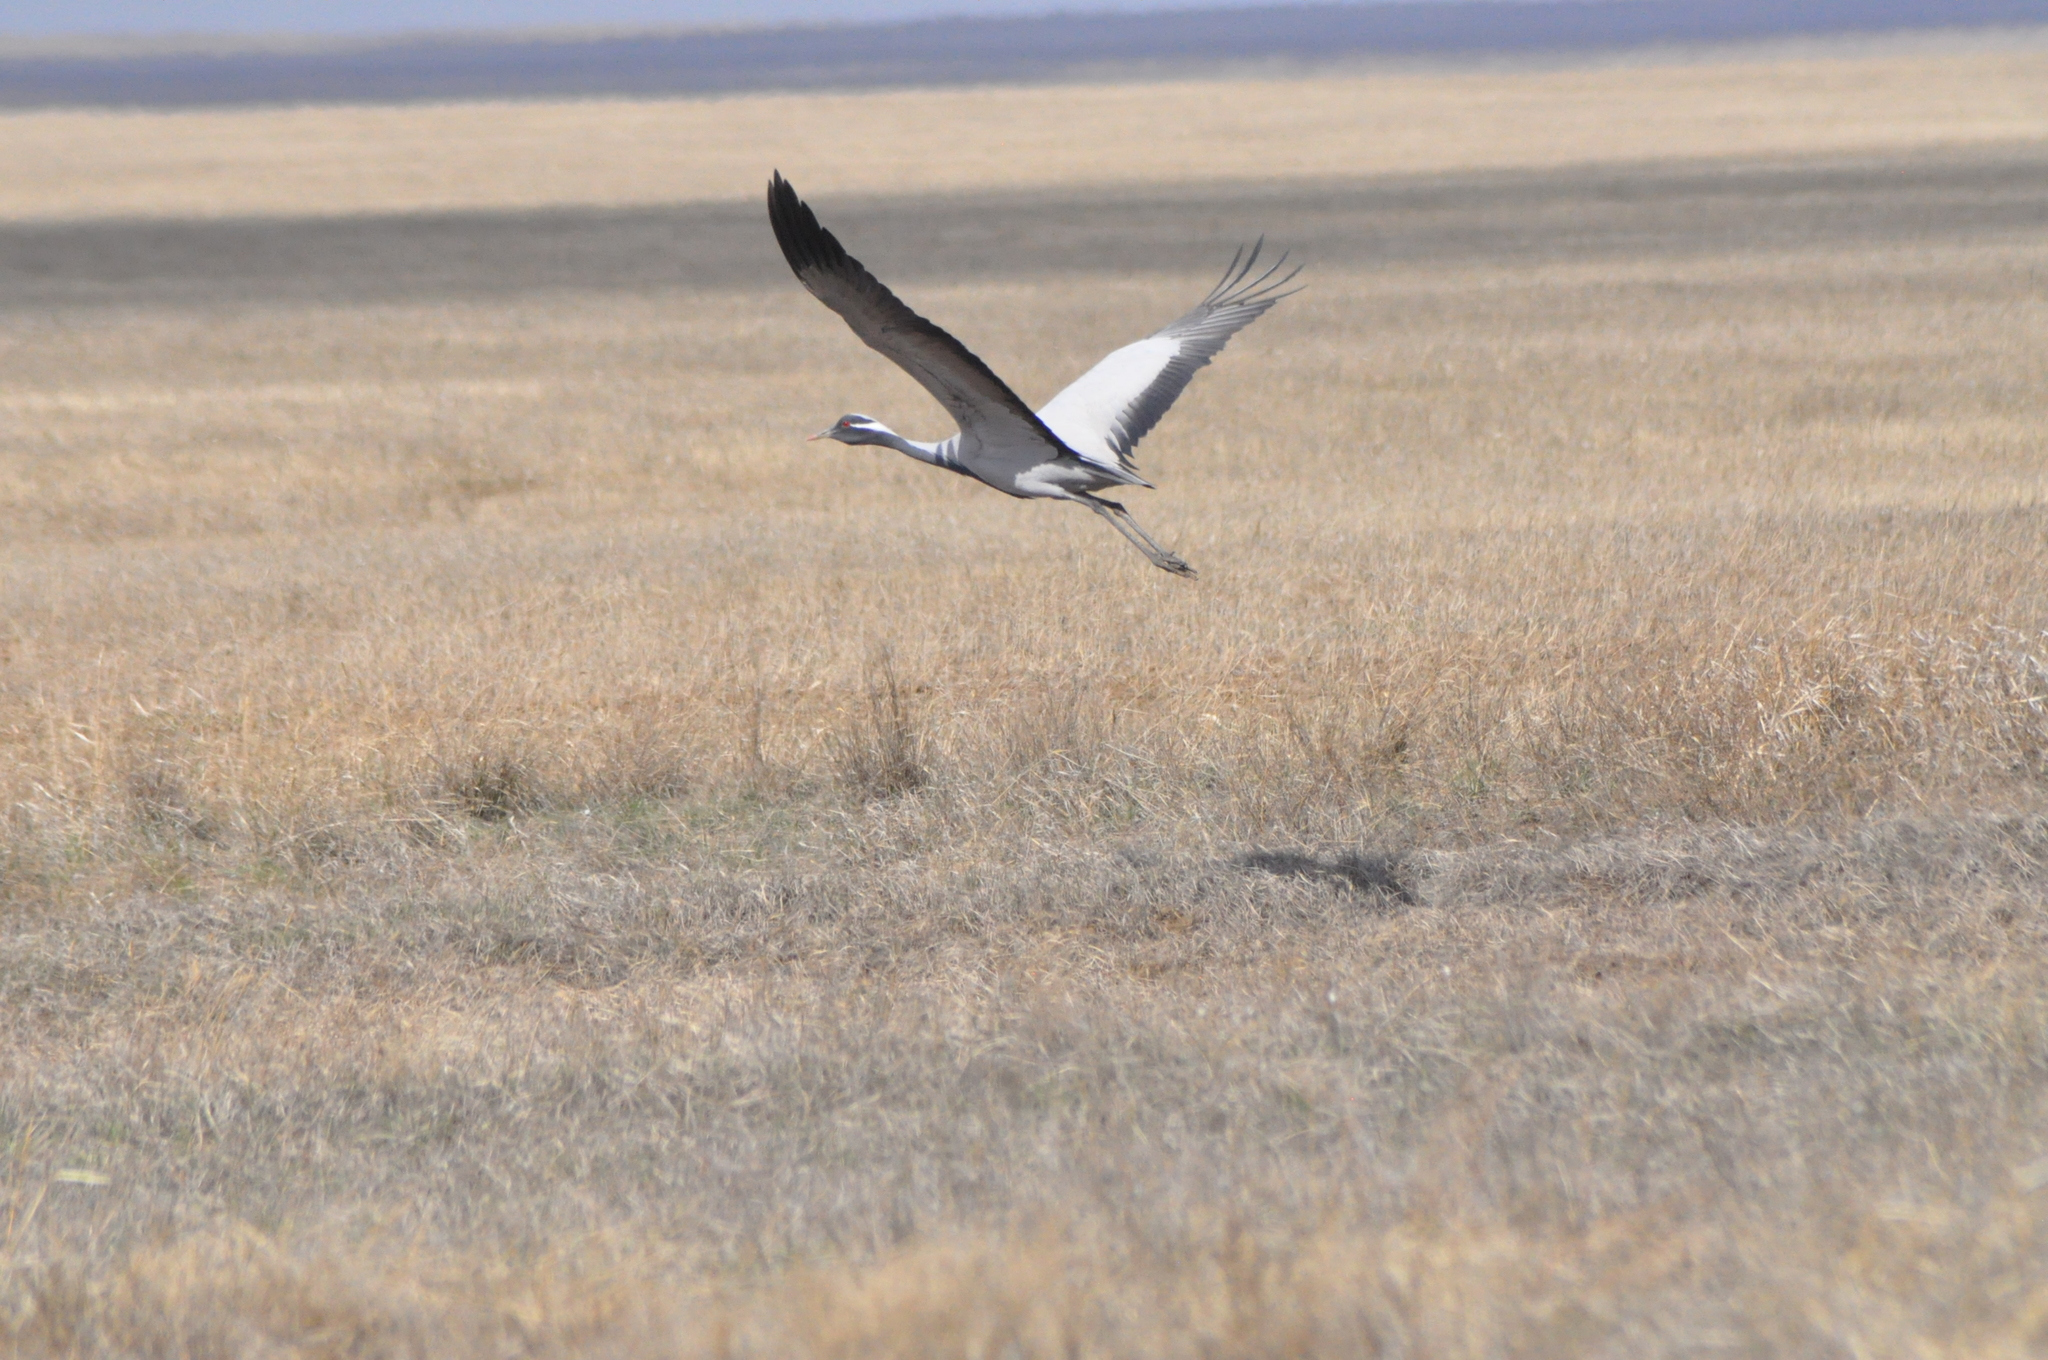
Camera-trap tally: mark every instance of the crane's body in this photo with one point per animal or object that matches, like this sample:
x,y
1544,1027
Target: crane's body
x,y
1080,443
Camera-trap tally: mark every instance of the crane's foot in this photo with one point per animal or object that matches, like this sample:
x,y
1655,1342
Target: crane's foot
x,y
1121,521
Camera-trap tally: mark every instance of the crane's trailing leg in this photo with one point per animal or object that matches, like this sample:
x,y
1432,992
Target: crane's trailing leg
x,y
1120,519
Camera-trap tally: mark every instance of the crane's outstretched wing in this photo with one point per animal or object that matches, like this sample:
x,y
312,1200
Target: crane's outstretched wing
x,y
1103,413
988,411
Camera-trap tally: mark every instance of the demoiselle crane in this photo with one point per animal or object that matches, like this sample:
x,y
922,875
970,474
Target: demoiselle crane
x,y
1081,442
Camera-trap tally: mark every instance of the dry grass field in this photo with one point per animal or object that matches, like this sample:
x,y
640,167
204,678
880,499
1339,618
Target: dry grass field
x,y
1932,90
507,850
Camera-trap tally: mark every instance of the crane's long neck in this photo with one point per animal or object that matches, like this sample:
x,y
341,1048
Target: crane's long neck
x,y
945,453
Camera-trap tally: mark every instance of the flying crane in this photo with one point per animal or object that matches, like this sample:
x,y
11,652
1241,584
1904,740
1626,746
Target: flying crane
x,y
1081,442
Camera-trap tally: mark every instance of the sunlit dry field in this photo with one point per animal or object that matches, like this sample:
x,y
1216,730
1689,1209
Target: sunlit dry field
x,y
508,850
1842,97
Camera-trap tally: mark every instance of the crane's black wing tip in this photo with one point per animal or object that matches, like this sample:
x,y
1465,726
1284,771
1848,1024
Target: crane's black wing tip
x,y
782,199
1238,287
805,243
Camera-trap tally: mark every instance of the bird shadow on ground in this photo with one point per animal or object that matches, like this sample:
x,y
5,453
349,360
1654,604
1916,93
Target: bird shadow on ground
x,y
1361,872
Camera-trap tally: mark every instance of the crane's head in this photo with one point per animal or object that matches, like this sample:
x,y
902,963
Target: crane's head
x,y
857,430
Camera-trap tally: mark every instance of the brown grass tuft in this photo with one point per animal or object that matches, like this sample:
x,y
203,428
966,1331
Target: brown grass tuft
x,y
879,753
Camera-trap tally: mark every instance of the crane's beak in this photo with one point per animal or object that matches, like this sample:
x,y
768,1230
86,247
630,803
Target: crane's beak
x,y
822,434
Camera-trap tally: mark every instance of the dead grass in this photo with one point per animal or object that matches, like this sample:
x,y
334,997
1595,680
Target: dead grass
x,y
1775,1090
1849,96
507,850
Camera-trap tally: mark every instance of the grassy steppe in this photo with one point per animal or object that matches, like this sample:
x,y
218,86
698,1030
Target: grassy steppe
x,y
508,850
1927,90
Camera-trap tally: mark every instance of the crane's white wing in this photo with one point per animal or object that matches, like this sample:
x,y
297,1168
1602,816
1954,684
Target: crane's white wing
x,y
1105,412
990,414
